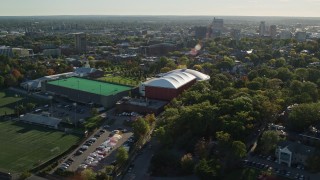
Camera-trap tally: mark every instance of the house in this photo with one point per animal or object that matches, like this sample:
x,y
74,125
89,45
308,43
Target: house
x,y
289,153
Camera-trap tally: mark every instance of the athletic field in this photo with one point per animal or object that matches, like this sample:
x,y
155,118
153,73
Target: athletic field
x,y
25,146
7,102
90,86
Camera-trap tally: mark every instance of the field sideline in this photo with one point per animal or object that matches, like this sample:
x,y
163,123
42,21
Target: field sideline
x,y
25,146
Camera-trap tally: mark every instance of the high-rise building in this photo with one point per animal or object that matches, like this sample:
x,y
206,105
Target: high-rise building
x,y
273,31
81,42
217,27
217,24
262,28
200,32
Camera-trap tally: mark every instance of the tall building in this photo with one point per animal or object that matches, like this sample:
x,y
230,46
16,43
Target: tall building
x,y
81,42
200,32
217,24
217,27
273,31
262,28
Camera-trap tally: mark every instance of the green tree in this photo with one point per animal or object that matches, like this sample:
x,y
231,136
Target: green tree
x,y
187,163
140,127
30,106
238,150
269,141
122,155
303,116
2,81
24,175
206,169
88,174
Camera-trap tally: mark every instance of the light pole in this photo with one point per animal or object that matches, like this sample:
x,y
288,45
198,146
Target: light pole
x,y
75,113
50,97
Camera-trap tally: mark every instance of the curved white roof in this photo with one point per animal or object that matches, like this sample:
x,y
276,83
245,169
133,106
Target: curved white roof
x,y
200,76
176,78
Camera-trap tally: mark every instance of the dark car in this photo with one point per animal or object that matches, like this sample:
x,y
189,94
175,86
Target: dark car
x,y
79,152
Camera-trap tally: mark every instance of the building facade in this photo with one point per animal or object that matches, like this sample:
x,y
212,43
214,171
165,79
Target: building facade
x,y
81,42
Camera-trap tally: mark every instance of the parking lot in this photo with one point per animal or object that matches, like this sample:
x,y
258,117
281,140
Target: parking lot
x,y
100,148
265,163
67,111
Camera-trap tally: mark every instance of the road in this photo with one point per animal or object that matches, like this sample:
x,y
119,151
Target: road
x,y
142,163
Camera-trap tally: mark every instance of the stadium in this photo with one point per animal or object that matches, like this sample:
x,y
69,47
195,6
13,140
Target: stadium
x,y
169,85
87,91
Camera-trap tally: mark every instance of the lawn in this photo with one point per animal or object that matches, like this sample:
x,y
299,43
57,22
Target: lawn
x,y
7,102
119,80
25,146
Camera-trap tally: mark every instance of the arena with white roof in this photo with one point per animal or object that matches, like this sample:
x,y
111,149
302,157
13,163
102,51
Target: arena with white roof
x,y
169,85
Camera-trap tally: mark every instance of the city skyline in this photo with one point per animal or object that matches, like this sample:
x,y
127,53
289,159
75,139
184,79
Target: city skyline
x,y
294,8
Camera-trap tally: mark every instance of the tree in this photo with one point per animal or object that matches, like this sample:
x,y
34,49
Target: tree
x,y
303,116
30,106
165,69
187,163
94,111
10,80
202,148
122,155
150,118
88,174
313,163
24,175
269,141
1,81
140,127
238,150
206,169
50,72
16,73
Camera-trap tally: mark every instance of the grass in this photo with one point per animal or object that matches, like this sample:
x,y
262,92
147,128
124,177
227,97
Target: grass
x,y
119,80
7,102
25,146
90,86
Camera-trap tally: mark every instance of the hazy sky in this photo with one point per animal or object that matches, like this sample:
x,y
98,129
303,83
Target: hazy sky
x,y
306,8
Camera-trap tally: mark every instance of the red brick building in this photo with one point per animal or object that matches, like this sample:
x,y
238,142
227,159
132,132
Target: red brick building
x,y
169,85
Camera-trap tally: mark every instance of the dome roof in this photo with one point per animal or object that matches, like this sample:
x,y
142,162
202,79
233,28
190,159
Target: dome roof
x,y
200,76
176,78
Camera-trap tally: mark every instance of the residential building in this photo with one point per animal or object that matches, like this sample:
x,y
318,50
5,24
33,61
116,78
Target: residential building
x,y
289,153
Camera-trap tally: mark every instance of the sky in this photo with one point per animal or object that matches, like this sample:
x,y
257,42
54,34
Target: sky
x,y
303,8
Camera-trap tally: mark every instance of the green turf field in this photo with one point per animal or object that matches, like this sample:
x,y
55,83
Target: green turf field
x,y
24,146
7,102
90,86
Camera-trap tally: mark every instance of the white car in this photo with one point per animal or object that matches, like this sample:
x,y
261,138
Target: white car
x,y
83,166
